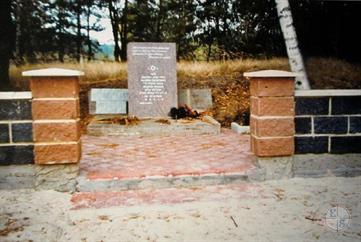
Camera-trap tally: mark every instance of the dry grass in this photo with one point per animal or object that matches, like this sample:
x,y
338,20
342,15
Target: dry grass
x,y
333,74
100,72
188,69
230,90
96,72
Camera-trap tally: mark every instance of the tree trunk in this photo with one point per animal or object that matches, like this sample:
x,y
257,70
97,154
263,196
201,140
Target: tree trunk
x,y
7,35
114,19
89,42
124,34
209,51
293,51
60,26
78,34
17,56
159,22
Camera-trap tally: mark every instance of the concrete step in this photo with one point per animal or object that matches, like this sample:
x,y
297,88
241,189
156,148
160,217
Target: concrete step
x,y
157,182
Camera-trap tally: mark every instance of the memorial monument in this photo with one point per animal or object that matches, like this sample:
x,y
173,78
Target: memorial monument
x,y
152,79
152,93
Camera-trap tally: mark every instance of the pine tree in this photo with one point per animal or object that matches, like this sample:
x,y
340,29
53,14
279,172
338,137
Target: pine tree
x,y
7,34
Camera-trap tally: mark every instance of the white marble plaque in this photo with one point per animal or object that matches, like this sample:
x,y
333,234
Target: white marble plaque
x,y
108,101
197,99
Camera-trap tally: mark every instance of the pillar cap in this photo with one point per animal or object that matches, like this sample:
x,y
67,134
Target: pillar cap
x,y
270,73
53,72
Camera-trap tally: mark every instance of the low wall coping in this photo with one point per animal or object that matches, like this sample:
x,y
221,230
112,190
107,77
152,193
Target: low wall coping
x,y
270,73
53,72
15,95
328,92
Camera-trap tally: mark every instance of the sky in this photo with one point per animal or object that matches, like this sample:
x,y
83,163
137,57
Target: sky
x,y
105,36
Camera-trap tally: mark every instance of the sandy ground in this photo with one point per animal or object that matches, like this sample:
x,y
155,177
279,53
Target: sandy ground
x,y
287,210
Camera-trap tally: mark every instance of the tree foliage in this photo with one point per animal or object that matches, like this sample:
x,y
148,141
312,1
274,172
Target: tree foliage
x,y
46,30
53,29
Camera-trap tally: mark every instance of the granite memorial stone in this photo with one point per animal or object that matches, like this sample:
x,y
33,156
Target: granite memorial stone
x,y
152,80
108,101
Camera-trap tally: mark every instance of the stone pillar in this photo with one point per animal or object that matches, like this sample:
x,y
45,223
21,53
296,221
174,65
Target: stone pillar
x,y
272,113
56,115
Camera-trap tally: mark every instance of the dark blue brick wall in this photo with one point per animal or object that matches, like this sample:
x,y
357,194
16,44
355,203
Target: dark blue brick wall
x,y
355,125
340,130
12,111
305,145
312,105
15,109
330,125
303,125
4,133
16,154
22,132
345,144
346,105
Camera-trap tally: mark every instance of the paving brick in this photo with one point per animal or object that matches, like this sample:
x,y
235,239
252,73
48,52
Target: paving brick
x,y
272,106
304,145
55,109
272,87
281,146
346,105
22,132
54,87
330,125
303,125
312,105
56,131
16,155
272,127
4,133
355,125
15,109
110,157
82,200
345,144
57,153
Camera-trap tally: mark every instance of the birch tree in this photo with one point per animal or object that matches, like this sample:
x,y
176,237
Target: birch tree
x,y
293,51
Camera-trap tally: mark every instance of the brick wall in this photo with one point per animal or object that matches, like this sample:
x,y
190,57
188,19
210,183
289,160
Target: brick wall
x,y
56,115
16,136
42,126
272,113
328,121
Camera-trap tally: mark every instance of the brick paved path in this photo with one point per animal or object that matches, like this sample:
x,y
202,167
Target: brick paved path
x,y
115,157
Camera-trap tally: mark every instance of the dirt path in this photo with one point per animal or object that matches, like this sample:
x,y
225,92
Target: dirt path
x,y
287,210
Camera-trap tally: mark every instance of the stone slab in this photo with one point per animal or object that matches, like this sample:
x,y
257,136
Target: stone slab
x,y
198,99
152,127
276,168
321,165
270,73
240,129
152,79
108,101
86,185
61,178
53,72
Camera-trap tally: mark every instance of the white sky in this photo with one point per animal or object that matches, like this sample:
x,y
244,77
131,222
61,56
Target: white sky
x,y
105,36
